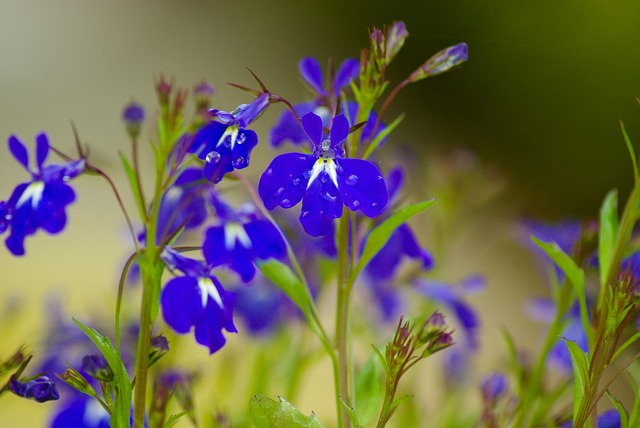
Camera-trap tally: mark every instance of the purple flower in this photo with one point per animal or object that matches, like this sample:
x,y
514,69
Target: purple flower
x,y
41,389
197,301
493,387
226,144
288,128
324,181
240,239
261,305
41,202
81,412
452,297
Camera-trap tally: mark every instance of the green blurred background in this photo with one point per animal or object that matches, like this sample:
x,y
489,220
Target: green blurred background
x,y
539,99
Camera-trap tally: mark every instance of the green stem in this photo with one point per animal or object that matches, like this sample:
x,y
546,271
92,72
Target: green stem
x,y
342,318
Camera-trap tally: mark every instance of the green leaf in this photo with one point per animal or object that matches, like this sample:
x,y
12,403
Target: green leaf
x,y
381,135
609,225
381,234
634,416
575,276
353,417
369,389
173,419
133,183
624,418
632,153
267,413
625,345
580,374
122,409
282,276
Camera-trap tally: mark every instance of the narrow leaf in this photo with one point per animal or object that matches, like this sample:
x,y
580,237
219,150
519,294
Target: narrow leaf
x,y
580,374
381,234
609,224
381,135
624,418
369,389
173,419
133,183
353,417
632,153
267,413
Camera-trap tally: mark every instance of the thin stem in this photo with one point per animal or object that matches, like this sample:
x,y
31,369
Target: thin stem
x,y
136,170
121,283
342,316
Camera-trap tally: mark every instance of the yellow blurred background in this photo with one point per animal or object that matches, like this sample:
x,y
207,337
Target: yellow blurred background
x,y
539,100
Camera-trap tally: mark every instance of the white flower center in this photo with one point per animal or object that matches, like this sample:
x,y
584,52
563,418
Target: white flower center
x,y
324,165
207,288
234,232
33,192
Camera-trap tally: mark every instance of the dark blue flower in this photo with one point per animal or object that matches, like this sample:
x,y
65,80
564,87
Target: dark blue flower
x,y
324,181
197,301
493,386
608,419
261,306
41,389
240,239
226,144
453,297
41,202
81,412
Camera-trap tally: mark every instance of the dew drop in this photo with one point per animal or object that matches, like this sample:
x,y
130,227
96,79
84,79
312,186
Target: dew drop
x,y
351,180
66,178
213,157
374,205
328,196
339,169
304,214
227,141
269,172
286,203
238,162
355,203
324,178
241,138
296,181
306,174
279,192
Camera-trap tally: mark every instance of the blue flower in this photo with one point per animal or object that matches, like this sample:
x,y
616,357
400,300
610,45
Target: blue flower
x,y
40,389
288,128
239,239
41,202
226,144
81,412
324,180
452,297
197,301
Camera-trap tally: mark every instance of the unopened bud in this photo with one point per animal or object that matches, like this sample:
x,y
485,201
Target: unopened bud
x,y
203,93
40,389
443,61
395,37
97,367
75,380
133,116
493,387
439,343
432,327
163,90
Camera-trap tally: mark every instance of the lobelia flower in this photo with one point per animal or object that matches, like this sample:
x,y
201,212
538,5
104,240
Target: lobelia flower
x,y
196,300
288,129
226,144
239,239
41,202
324,181
40,389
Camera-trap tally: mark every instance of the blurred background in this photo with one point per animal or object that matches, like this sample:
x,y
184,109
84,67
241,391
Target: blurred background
x,y
539,100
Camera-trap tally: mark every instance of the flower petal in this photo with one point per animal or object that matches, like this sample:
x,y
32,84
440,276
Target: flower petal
x,y
267,241
206,139
42,149
312,124
241,149
181,303
320,206
339,131
362,186
288,128
19,151
312,74
222,247
285,180
348,71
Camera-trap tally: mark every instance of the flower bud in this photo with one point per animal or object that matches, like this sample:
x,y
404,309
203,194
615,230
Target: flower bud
x,y
443,61
439,343
97,367
395,37
203,93
432,328
75,380
493,387
40,389
133,116
163,90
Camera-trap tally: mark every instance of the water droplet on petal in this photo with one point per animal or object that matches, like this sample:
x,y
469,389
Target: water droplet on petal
x,y
213,157
241,138
324,177
65,178
227,141
286,203
304,214
269,172
339,169
238,162
374,205
296,181
351,180
306,174
328,196
355,204
279,192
